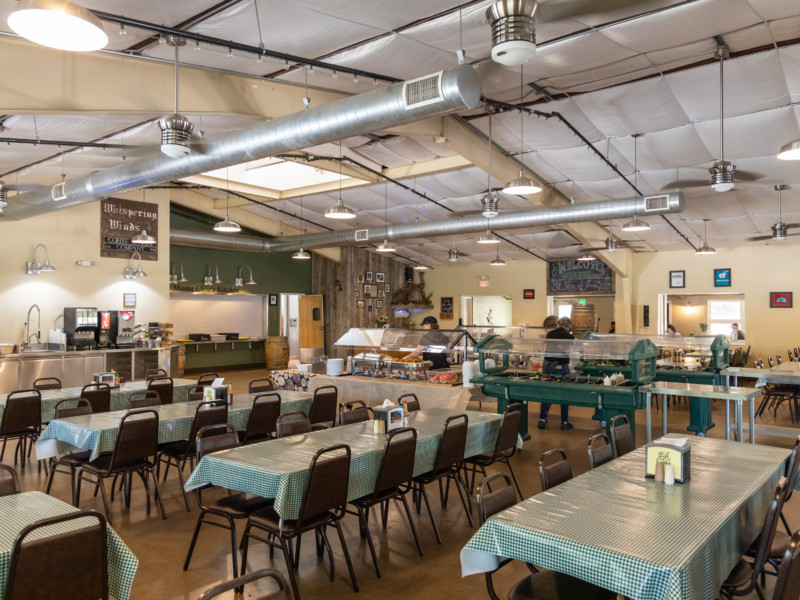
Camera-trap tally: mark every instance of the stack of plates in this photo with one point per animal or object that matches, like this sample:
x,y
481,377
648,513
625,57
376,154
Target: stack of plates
x,y
335,366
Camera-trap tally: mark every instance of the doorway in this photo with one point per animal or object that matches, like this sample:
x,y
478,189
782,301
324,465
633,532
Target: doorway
x,y
561,306
486,311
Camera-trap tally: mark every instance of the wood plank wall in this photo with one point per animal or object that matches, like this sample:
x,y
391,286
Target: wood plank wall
x,y
340,307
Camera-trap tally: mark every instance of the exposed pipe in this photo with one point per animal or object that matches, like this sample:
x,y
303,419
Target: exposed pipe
x,y
378,109
613,209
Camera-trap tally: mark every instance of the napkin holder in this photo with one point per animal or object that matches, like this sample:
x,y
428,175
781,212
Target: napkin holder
x,y
680,457
392,417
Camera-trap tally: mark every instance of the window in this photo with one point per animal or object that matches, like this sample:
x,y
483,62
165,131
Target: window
x,y
721,313
565,310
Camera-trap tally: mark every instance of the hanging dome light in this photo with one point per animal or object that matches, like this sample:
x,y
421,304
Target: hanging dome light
x,y
636,225
385,247
144,238
586,257
488,238
340,211
498,262
227,226
420,267
705,248
522,185
790,151
58,24
301,255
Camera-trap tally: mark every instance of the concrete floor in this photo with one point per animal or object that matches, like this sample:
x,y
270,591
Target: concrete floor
x,y
161,545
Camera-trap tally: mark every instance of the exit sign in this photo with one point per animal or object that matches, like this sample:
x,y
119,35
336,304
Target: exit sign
x,y
582,301
483,283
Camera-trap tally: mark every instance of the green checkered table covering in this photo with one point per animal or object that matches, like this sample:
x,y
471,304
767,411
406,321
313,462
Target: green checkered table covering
x,y
279,468
119,396
98,432
20,510
645,540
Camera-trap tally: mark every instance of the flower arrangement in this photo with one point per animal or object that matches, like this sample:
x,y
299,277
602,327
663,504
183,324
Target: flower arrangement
x,y
382,321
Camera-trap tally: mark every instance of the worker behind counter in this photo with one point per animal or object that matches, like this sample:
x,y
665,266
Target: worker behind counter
x,y
557,364
432,337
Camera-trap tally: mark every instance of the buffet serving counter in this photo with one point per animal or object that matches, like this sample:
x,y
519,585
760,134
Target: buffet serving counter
x,y
19,371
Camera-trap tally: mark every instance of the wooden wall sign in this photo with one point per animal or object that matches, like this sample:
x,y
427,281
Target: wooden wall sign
x,y
569,277
120,221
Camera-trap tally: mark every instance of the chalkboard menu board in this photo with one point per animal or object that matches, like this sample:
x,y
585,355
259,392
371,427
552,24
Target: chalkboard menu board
x,y
579,277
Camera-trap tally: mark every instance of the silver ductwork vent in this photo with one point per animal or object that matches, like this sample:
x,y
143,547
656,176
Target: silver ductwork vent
x,y
378,109
57,192
656,203
423,90
362,235
513,31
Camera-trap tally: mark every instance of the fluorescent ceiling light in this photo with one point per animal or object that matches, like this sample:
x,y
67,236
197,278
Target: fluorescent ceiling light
x,y
58,24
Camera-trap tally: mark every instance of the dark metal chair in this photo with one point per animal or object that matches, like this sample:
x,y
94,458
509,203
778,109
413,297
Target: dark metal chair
x,y
143,399
47,383
45,567
71,462
393,482
263,419
9,485
177,453
323,407
134,452
21,421
194,393
621,436
324,504
282,593
413,402
787,586
447,465
292,423
163,386
554,468
356,411
207,378
234,506
504,448
151,374
600,450
261,385
98,395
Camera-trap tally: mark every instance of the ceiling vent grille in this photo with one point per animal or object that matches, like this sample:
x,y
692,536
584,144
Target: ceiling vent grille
x,y
656,203
362,235
422,91
58,191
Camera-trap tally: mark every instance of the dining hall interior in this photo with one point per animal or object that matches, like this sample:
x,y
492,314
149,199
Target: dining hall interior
x,y
350,189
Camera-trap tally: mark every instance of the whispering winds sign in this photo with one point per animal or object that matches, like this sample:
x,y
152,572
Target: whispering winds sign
x,y
120,221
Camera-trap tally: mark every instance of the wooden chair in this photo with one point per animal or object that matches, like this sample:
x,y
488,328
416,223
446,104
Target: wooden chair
x,y
261,385
151,374
98,395
554,468
47,383
504,448
323,505
233,506
136,445
323,407
163,386
143,399
600,450
71,462
263,419
621,436
9,485
354,412
76,563
292,423
282,592
21,421
413,402
206,378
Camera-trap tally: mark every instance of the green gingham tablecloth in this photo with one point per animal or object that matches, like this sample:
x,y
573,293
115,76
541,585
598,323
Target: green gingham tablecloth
x,y
645,540
20,510
98,432
119,396
279,468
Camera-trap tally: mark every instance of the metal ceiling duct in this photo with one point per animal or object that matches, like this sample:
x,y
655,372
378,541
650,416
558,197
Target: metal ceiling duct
x,y
434,95
575,213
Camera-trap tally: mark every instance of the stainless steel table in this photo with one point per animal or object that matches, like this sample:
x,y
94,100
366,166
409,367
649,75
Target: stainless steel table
x,y
695,390
785,374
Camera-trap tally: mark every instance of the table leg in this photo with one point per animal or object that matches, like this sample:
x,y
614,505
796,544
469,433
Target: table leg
x,y
649,399
739,423
664,414
727,418
752,420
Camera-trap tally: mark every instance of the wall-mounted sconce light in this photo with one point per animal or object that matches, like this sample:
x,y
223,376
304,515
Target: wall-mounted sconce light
x,y
208,280
133,273
239,281
34,267
173,278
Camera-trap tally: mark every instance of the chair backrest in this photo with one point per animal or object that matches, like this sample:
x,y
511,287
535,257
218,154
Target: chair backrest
x,y
137,438
263,419
45,567
621,437
326,487
506,443
23,410
47,383
323,405
214,438
413,402
194,393
260,385
143,399
292,423
206,378
778,359
769,360
787,586
600,450
81,408
767,534
792,469
397,462
9,485
206,414
98,395
554,468
491,502
453,442
234,584
151,374
163,387
356,411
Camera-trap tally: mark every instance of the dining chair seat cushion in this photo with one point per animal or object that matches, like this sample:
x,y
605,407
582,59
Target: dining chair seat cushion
x,y
368,500
22,431
102,464
740,576
319,426
242,433
550,585
488,458
268,519
239,505
779,545
76,458
177,448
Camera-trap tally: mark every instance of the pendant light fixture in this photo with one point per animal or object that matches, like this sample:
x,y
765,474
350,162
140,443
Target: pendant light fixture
x,y
176,130
130,272
340,211
790,151
497,262
612,242
386,246
452,255
635,224
420,266
58,24
226,225
722,171
489,201
586,257
522,184
144,238
705,248
301,254
488,238
779,228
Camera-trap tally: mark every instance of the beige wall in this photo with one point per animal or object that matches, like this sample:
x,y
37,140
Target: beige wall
x,y
70,235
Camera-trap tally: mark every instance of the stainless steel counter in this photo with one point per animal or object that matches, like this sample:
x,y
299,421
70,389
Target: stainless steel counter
x,y
19,371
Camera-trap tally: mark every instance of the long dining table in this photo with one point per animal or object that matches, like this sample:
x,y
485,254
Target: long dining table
x,y
98,432
21,510
637,537
279,468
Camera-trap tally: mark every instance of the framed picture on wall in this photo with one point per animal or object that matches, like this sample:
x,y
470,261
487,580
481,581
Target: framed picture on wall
x,y
360,279
780,299
379,277
369,276
129,300
677,279
369,308
367,290
387,287
722,278
379,304
360,304
273,299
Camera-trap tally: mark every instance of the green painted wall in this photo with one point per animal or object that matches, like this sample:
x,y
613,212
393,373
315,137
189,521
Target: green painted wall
x,y
202,357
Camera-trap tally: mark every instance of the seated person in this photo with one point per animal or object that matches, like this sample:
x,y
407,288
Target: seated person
x,y
736,333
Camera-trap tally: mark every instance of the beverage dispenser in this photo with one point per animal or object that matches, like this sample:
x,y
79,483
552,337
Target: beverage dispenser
x,y
107,327
80,325
125,322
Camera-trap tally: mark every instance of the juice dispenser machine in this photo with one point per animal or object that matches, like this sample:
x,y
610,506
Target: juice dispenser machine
x,y
124,330
80,325
107,327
